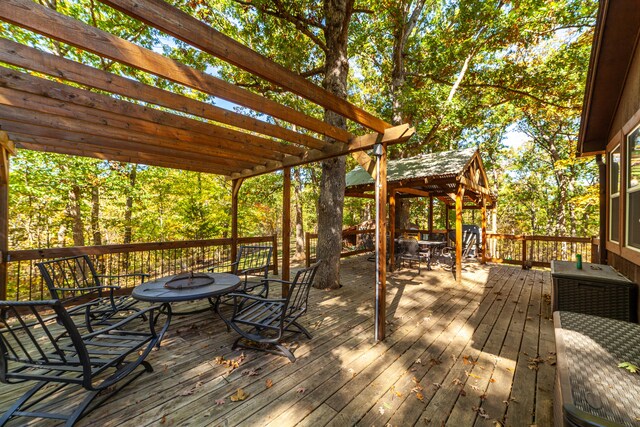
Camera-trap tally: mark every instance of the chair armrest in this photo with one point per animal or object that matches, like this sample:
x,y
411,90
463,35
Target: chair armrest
x,y
255,297
215,266
89,288
286,282
252,269
123,322
116,276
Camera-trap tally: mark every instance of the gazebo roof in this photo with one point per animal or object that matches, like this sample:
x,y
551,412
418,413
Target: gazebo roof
x,y
433,165
436,174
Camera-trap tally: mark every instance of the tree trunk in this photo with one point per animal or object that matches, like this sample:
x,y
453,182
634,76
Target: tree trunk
x,y
95,215
332,182
75,195
299,224
128,210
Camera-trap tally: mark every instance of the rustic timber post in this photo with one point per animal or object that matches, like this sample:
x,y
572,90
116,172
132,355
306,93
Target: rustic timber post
x,y
392,230
446,224
235,189
459,201
275,253
307,249
286,230
380,151
6,148
524,251
483,260
430,215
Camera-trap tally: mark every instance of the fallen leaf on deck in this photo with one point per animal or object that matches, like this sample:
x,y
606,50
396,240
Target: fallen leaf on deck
x,y
419,361
629,367
462,392
301,390
435,362
250,372
456,381
219,402
381,410
483,397
163,419
239,396
472,375
420,396
481,412
468,360
268,383
473,387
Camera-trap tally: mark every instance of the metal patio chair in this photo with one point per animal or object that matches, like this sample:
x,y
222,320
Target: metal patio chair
x,y
72,278
96,361
409,251
252,265
262,322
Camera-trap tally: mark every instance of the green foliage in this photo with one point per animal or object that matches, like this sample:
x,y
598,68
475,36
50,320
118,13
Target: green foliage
x,y
475,71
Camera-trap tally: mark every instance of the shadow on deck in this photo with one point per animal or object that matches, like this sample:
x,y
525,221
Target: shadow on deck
x,y
458,355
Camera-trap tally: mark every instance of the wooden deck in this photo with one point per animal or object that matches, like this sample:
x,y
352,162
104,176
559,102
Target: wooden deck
x,y
455,355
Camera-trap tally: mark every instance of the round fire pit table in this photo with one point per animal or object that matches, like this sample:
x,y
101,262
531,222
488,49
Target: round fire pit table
x,y
169,290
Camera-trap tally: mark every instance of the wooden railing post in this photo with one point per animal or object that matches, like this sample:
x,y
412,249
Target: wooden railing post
x,y
595,243
307,249
524,251
275,254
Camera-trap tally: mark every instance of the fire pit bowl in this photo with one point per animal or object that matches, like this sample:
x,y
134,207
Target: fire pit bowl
x,y
189,280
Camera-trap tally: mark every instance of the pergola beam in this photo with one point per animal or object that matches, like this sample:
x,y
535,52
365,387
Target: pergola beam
x,y
122,157
55,138
394,135
16,114
173,21
33,59
23,87
49,23
180,138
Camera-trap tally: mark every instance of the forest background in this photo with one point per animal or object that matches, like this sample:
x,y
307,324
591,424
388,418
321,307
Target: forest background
x,y
506,76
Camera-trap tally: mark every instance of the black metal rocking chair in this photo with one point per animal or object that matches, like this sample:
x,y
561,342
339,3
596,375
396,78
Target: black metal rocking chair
x,y
251,262
96,361
262,322
72,278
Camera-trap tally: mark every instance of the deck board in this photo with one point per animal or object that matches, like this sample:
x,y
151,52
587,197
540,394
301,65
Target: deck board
x,y
479,337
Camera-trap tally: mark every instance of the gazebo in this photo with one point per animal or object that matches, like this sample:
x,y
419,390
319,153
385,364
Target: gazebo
x,y
457,178
117,118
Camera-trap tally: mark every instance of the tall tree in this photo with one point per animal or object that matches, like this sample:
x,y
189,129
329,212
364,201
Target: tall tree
x,y
332,182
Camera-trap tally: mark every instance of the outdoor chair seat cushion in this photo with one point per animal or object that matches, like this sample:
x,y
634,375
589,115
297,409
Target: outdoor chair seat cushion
x,y
591,390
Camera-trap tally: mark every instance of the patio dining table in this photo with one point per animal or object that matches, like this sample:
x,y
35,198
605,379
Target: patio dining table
x,y
161,291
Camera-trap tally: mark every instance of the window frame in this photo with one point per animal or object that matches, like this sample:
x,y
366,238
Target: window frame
x,y
615,246
627,190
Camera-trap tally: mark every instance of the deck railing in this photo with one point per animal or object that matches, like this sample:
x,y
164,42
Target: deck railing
x,y
157,259
525,250
539,251
354,242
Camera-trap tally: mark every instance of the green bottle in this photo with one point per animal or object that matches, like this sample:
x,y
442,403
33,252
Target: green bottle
x,y
579,261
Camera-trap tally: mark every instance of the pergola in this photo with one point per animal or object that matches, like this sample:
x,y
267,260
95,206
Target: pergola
x,y
159,127
457,178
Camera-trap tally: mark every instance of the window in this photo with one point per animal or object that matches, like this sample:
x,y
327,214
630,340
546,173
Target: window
x,y
633,189
614,195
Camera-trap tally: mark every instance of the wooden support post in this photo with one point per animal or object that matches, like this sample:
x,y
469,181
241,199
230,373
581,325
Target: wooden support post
x,y
446,224
524,251
235,189
602,232
286,230
392,229
307,249
381,264
430,215
5,149
459,201
275,254
483,260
